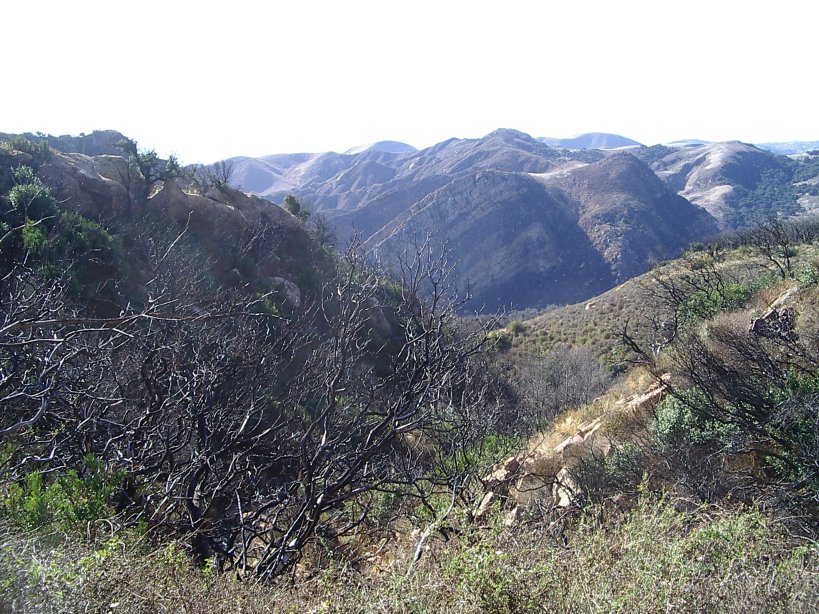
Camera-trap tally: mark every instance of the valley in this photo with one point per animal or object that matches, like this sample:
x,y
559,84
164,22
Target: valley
x,y
503,374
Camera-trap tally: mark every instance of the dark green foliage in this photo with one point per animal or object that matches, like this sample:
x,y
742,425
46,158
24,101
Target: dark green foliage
x,y
171,168
708,302
773,194
806,167
58,244
29,216
37,148
294,207
34,240
64,501
30,198
91,254
677,424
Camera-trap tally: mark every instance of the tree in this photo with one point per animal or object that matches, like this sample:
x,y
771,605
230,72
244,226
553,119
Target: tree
x,y
566,378
145,167
294,207
774,240
216,175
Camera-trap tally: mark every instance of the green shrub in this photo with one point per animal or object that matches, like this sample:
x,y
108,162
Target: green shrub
x,y
489,579
37,149
516,327
34,240
626,466
676,422
78,238
500,340
706,303
807,274
491,449
69,500
30,198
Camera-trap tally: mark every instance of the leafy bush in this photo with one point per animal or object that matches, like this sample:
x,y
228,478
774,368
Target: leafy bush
x,y
677,423
807,273
706,303
516,327
69,500
486,575
30,198
37,149
34,240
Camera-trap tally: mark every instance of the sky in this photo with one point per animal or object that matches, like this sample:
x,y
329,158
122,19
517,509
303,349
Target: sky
x,y
210,80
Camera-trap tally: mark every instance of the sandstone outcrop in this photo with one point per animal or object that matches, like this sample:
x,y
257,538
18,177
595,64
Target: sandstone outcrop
x,y
546,475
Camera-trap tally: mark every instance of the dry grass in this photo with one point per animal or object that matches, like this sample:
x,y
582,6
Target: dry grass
x,y
599,321
611,407
653,559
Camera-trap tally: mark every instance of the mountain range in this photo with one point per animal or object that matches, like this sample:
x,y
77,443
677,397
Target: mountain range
x,y
536,221
525,223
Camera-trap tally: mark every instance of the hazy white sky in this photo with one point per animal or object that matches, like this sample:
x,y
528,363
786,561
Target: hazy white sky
x,y
209,80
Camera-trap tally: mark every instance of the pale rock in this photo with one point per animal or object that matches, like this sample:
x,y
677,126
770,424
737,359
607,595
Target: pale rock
x,y
486,503
291,292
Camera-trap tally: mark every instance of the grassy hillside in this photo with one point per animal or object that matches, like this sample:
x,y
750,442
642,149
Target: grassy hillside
x,y
599,322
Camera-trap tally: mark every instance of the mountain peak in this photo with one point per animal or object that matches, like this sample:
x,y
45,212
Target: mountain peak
x,y
382,146
508,134
591,140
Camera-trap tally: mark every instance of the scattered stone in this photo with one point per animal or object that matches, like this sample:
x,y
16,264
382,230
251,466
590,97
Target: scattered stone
x,y
502,474
538,477
514,517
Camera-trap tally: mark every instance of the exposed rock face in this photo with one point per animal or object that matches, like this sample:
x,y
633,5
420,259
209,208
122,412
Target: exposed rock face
x,y
99,142
546,476
227,222
780,319
291,291
776,323
247,239
92,184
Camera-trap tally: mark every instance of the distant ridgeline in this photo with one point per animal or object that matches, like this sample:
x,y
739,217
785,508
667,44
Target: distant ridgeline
x,y
530,222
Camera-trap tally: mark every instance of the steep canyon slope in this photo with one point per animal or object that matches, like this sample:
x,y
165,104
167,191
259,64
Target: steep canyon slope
x,y
527,224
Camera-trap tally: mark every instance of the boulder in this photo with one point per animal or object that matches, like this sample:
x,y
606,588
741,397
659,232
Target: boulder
x,y
776,323
92,185
290,291
502,474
